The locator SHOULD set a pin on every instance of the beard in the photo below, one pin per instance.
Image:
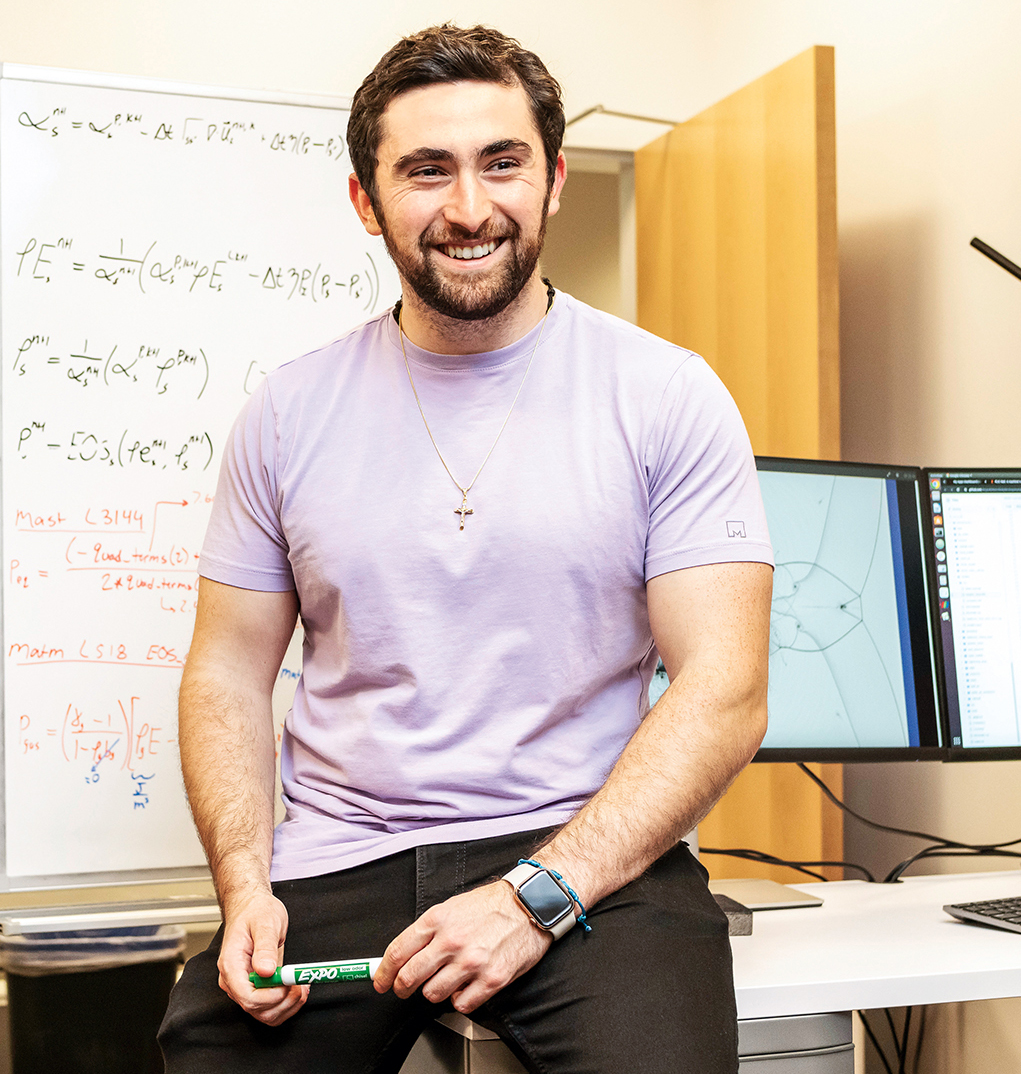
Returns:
(467, 299)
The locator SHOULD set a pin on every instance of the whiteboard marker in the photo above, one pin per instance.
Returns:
(356, 969)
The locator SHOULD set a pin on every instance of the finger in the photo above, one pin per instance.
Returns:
(266, 944)
(280, 1011)
(473, 995)
(269, 1005)
(444, 983)
(234, 964)
(400, 949)
(292, 1002)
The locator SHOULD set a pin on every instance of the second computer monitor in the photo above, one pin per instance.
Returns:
(975, 533)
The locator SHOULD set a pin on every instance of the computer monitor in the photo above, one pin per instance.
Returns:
(974, 538)
(852, 675)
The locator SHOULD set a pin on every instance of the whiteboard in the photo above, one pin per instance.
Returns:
(161, 248)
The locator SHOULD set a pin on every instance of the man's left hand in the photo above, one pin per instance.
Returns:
(465, 949)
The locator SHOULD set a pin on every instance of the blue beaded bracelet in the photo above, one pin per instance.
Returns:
(570, 891)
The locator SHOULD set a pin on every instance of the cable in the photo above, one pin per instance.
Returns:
(771, 859)
(949, 848)
(875, 1042)
(901, 831)
(918, 1040)
(762, 857)
(901, 1039)
(904, 1041)
(945, 852)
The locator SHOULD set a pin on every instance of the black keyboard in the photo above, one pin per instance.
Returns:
(999, 913)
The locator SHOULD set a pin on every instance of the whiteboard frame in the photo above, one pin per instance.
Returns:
(137, 84)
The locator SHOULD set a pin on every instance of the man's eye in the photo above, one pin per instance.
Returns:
(426, 173)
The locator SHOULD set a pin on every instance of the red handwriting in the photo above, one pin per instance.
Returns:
(152, 654)
(26, 651)
(24, 519)
(28, 745)
(100, 554)
(130, 582)
(104, 516)
(175, 606)
(103, 651)
(113, 518)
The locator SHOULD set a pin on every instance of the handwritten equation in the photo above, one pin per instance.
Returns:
(126, 449)
(222, 132)
(99, 743)
(41, 259)
(155, 368)
(120, 550)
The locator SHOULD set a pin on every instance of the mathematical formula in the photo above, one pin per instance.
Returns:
(124, 448)
(99, 742)
(186, 131)
(114, 551)
(156, 267)
(155, 369)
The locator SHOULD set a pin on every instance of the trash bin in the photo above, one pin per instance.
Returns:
(89, 1002)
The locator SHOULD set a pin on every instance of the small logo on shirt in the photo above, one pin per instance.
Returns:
(736, 529)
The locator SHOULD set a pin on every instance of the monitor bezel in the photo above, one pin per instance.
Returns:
(957, 754)
(869, 754)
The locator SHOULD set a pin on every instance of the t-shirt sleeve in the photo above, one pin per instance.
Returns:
(245, 545)
(704, 500)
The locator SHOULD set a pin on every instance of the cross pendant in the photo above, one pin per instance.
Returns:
(463, 510)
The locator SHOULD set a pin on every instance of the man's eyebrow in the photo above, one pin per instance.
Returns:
(423, 155)
(506, 145)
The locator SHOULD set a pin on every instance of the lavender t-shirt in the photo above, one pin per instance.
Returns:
(461, 684)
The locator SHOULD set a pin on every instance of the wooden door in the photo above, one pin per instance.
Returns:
(737, 259)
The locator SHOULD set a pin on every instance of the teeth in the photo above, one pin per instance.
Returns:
(468, 253)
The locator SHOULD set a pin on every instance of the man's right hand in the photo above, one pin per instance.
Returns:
(253, 939)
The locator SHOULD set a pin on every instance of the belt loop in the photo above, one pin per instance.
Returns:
(420, 893)
(462, 861)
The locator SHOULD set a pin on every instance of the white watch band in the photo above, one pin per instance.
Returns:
(517, 876)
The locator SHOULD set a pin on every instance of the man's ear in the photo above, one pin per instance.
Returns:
(363, 206)
(559, 178)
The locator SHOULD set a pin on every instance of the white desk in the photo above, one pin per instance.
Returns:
(877, 945)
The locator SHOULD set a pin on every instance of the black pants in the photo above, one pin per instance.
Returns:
(648, 991)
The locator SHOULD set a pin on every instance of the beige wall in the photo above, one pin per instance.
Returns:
(583, 240)
(928, 96)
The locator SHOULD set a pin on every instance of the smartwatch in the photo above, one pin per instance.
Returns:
(543, 897)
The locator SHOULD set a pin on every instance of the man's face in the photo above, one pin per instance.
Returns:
(462, 195)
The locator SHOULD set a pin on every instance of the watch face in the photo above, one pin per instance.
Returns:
(546, 899)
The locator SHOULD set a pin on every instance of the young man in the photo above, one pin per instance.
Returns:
(491, 507)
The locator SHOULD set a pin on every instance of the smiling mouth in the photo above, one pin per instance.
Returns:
(470, 253)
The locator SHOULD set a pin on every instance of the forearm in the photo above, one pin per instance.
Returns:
(677, 765)
(228, 762)
(226, 729)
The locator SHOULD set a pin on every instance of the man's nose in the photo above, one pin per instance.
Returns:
(469, 205)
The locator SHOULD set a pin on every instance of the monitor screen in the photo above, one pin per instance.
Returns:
(851, 668)
(974, 537)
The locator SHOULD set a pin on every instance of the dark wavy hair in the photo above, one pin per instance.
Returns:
(449, 54)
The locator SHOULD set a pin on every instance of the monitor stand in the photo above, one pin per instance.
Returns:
(763, 894)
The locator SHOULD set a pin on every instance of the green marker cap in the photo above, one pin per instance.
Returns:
(266, 982)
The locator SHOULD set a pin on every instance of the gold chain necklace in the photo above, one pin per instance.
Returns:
(464, 509)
